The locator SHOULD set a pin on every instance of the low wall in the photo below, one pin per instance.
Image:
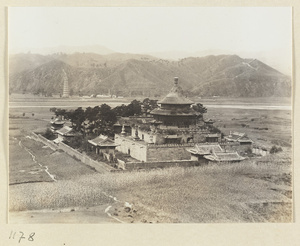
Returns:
(160, 164)
(151, 146)
(99, 166)
(235, 147)
(168, 153)
(45, 141)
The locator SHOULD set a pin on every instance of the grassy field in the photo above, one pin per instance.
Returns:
(255, 190)
(265, 127)
(244, 192)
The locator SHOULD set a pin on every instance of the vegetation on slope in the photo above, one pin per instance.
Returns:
(129, 74)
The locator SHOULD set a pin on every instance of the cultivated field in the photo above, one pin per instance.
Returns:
(256, 190)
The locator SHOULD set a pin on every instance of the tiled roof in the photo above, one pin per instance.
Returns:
(175, 96)
(209, 121)
(172, 136)
(238, 136)
(178, 112)
(57, 140)
(205, 149)
(102, 141)
(213, 135)
(224, 156)
(66, 130)
(57, 121)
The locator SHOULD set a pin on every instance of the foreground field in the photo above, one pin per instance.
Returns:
(256, 190)
(245, 192)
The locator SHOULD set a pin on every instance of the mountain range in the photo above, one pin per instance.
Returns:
(146, 75)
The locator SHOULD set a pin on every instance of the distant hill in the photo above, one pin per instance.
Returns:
(98, 49)
(22, 62)
(145, 75)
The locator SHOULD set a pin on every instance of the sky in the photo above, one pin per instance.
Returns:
(154, 29)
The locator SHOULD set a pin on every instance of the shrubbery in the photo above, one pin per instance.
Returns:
(49, 134)
(275, 149)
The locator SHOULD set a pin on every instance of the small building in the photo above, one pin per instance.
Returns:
(200, 150)
(209, 122)
(213, 138)
(57, 124)
(239, 137)
(224, 157)
(212, 152)
(102, 144)
(65, 133)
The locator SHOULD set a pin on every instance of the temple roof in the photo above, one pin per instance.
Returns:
(205, 149)
(174, 112)
(176, 96)
(102, 141)
(218, 156)
(66, 131)
(238, 137)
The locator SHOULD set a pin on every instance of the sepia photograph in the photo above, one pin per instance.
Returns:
(150, 115)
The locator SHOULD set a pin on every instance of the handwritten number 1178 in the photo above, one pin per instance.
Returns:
(21, 236)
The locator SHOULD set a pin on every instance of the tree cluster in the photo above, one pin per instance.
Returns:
(100, 119)
(275, 149)
(199, 108)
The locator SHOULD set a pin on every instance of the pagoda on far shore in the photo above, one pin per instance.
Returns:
(66, 85)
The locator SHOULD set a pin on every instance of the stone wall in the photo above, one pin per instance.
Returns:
(168, 153)
(235, 146)
(160, 164)
(99, 166)
(45, 141)
(136, 149)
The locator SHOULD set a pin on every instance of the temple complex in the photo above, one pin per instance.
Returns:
(165, 135)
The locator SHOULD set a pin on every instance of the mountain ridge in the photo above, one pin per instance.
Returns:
(137, 74)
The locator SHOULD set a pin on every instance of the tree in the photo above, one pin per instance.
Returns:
(76, 142)
(134, 108)
(59, 112)
(49, 134)
(120, 110)
(105, 119)
(77, 118)
(107, 114)
(275, 149)
(52, 109)
(149, 104)
(199, 108)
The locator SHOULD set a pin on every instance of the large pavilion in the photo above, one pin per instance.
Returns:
(175, 109)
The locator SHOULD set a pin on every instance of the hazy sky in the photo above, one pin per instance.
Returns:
(151, 29)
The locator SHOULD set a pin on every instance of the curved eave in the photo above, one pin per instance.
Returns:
(171, 113)
(176, 101)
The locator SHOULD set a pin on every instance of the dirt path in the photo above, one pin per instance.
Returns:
(80, 215)
(34, 160)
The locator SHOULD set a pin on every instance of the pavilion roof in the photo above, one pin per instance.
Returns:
(102, 140)
(205, 149)
(176, 112)
(176, 96)
(224, 156)
(238, 137)
(66, 131)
